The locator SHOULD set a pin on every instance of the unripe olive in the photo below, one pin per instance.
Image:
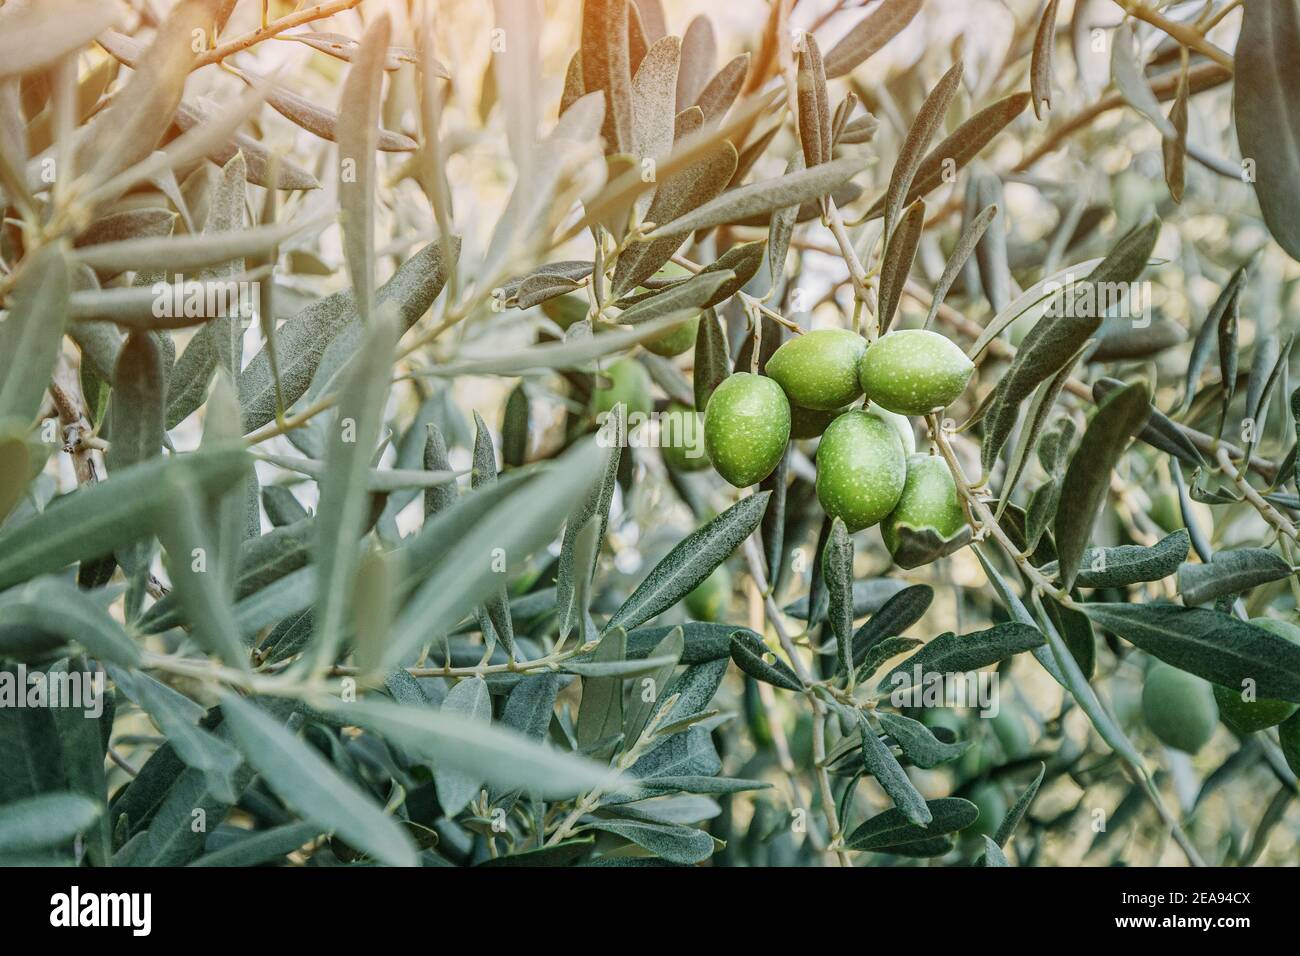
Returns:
(1179, 708)
(1010, 729)
(711, 597)
(676, 340)
(861, 469)
(627, 382)
(914, 371)
(746, 428)
(811, 422)
(902, 423)
(992, 805)
(929, 500)
(819, 370)
(681, 438)
(1248, 716)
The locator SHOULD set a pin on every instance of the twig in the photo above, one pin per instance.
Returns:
(318, 11)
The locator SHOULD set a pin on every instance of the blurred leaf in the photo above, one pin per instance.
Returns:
(311, 787)
(34, 35)
(1129, 79)
(49, 607)
(870, 34)
(467, 701)
(1018, 810)
(606, 66)
(47, 820)
(32, 334)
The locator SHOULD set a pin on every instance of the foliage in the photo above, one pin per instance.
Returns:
(253, 290)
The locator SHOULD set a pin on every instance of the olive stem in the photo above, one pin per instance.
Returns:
(755, 563)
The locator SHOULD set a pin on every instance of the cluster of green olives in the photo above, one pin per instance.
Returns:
(867, 469)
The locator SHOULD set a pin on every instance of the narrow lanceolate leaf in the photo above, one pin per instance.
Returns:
(1127, 564)
(1087, 480)
(358, 138)
(1267, 116)
(985, 189)
(837, 570)
(721, 91)
(140, 112)
(196, 574)
(1175, 150)
(139, 393)
(690, 562)
(1018, 811)
(951, 654)
(814, 105)
(1131, 82)
(916, 741)
(1230, 573)
(685, 190)
(911, 153)
(699, 56)
(1161, 432)
(751, 656)
(879, 761)
(33, 35)
(712, 363)
(870, 35)
(454, 560)
(344, 501)
(649, 690)
(654, 95)
(1221, 648)
(1206, 335)
(91, 521)
(673, 842)
(891, 831)
(903, 609)
(309, 786)
(31, 335)
(961, 146)
(47, 820)
(1040, 64)
(51, 606)
(688, 296)
(965, 245)
(568, 584)
(1057, 337)
(761, 198)
(485, 472)
(897, 264)
(600, 714)
(606, 66)
(468, 701)
(504, 758)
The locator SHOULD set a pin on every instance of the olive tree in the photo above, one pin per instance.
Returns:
(555, 433)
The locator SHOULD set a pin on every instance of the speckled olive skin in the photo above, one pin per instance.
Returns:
(902, 423)
(819, 370)
(1179, 708)
(811, 422)
(678, 438)
(1248, 716)
(861, 469)
(676, 340)
(746, 428)
(629, 384)
(929, 500)
(914, 371)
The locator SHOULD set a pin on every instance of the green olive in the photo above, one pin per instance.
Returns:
(861, 469)
(992, 805)
(627, 382)
(1179, 708)
(681, 438)
(1247, 716)
(819, 370)
(811, 422)
(929, 500)
(746, 428)
(711, 597)
(676, 340)
(902, 423)
(914, 371)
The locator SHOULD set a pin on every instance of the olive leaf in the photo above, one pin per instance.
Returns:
(1127, 564)
(916, 741)
(699, 54)
(1040, 68)
(1218, 647)
(814, 107)
(911, 153)
(837, 571)
(1019, 809)
(903, 609)
(1087, 479)
(869, 35)
(690, 562)
(1230, 572)
(30, 336)
(949, 653)
(879, 761)
(606, 66)
(899, 256)
(892, 832)
(751, 656)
